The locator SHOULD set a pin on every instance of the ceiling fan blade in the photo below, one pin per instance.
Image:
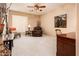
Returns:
(42, 6)
(30, 6)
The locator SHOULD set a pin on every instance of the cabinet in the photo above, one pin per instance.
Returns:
(66, 44)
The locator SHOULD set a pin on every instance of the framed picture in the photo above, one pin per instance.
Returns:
(60, 21)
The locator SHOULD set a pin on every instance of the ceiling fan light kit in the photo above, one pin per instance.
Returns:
(37, 7)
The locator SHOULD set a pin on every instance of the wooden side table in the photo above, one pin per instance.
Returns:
(28, 33)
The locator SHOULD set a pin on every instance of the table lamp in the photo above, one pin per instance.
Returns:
(29, 27)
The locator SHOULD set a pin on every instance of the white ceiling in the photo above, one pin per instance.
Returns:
(22, 7)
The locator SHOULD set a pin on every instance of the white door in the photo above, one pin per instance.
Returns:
(20, 23)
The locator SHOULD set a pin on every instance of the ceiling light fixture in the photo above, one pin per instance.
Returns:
(37, 7)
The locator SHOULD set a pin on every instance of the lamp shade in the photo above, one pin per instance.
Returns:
(29, 26)
(12, 29)
(1, 27)
(0, 18)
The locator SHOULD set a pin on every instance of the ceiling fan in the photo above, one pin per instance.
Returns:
(37, 7)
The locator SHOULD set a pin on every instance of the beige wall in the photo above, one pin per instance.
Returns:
(47, 20)
(32, 19)
(77, 41)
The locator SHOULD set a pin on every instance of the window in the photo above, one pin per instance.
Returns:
(20, 23)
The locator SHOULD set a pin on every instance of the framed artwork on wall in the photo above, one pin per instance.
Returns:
(60, 21)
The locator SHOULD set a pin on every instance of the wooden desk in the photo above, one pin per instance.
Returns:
(66, 44)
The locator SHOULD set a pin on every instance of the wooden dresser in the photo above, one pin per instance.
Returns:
(66, 44)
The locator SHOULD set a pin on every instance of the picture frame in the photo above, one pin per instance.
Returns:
(60, 21)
